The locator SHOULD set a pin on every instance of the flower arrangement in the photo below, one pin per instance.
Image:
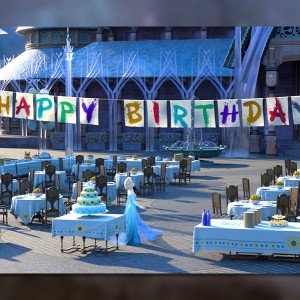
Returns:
(169, 138)
(27, 155)
(135, 156)
(297, 173)
(279, 183)
(7, 159)
(88, 161)
(96, 137)
(254, 197)
(93, 178)
(166, 162)
(133, 169)
(90, 155)
(133, 138)
(37, 191)
(58, 137)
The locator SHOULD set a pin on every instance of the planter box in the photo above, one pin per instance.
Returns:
(58, 145)
(96, 146)
(137, 147)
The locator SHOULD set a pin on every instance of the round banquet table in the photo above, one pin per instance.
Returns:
(270, 193)
(268, 209)
(171, 170)
(39, 177)
(136, 178)
(289, 181)
(82, 167)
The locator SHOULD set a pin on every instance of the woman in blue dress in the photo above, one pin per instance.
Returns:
(135, 226)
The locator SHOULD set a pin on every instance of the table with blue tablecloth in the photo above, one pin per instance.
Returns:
(195, 164)
(100, 226)
(231, 235)
(289, 181)
(39, 179)
(270, 193)
(130, 163)
(137, 178)
(171, 170)
(26, 206)
(82, 167)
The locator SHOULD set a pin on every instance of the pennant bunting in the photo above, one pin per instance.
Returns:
(157, 113)
(6, 104)
(66, 109)
(204, 115)
(277, 109)
(180, 113)
(24, 106)
(134, 113)
(296, 109)
(252, 112)
(228, 112)
(88, 109)
(45, 108)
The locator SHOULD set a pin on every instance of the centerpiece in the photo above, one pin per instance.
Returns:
(90, 156)
(279, 184)
(27, 155)
(133, 170)
(254, 199)
(93, 179)
(278, 220)
(296, 174)
(135, 156)
(37, 192)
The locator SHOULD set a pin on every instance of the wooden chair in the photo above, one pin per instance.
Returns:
(182, 175)
(277, 172)
(294, 204)
(50, 178)
(87, 175)
(293, 167)
(216, 205)
(44, 163)
(232, 193)
(148, 180)
(60, 164)
(51, 203)
(25, 186)
(271, 172)
(66, 193)
(265, 179)
(98, 163)
(246, 187)
(144, 163)
(287, 166)
(101, 187)
(79, 159)
(4, 213)
(188, 168)
(101, 170)
(122, 167)
(31, 177)
(111, 172)
(160, 180)
(151, 161)
(7, 186)
(283, 205)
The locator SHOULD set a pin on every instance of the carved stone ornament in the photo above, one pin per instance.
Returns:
(271, 78)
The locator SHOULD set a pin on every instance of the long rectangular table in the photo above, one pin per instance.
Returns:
(101, 226)
(231, 235)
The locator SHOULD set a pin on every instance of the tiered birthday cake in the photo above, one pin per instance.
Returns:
(89, 202)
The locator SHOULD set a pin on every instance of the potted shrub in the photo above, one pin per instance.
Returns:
(96, 140)
(133, 141)
(58, 140)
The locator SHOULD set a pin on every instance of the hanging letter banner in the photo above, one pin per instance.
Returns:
(24, 106)
(296, 109)
(66, 112)
(89, 108)
(204, 114)
(134, 113)
(277, 108)
(180, 113)
(157, 113)
(252, 112)
(228, 111)
(45, 108)
(6, 104)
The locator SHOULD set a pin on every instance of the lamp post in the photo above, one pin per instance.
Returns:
(68, 76)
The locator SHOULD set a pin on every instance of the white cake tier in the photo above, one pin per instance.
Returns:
(89, 210)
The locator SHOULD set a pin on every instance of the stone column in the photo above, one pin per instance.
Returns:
(270, 134)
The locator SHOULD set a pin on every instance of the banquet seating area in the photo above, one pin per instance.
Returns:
(26, 182)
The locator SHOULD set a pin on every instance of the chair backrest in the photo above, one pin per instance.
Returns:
(31, 177)
(293, 167)
(101, 184)
(163, 169)
(87, 175)
(271, 172)
(122, 167)
(148, 174)
(52, 196)
(283, 204)
(79, 188)
(60, 164)
(216, 203)
(79, 158)
(25, 186)
(115, 161)
(232, 193)
(6, 182)
(98, 163)
(294, 203)
(144, 163)
(188, 164)
(183, 165)
(277, 171)
(246, 187)
(102, 170)
(151, 160)
(50, 178)
(44, 164)
(265, 179)
(287, 166)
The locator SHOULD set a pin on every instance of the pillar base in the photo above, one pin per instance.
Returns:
(271, 145)
(254, 143)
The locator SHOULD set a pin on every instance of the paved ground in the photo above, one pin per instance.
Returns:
(24, 249)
